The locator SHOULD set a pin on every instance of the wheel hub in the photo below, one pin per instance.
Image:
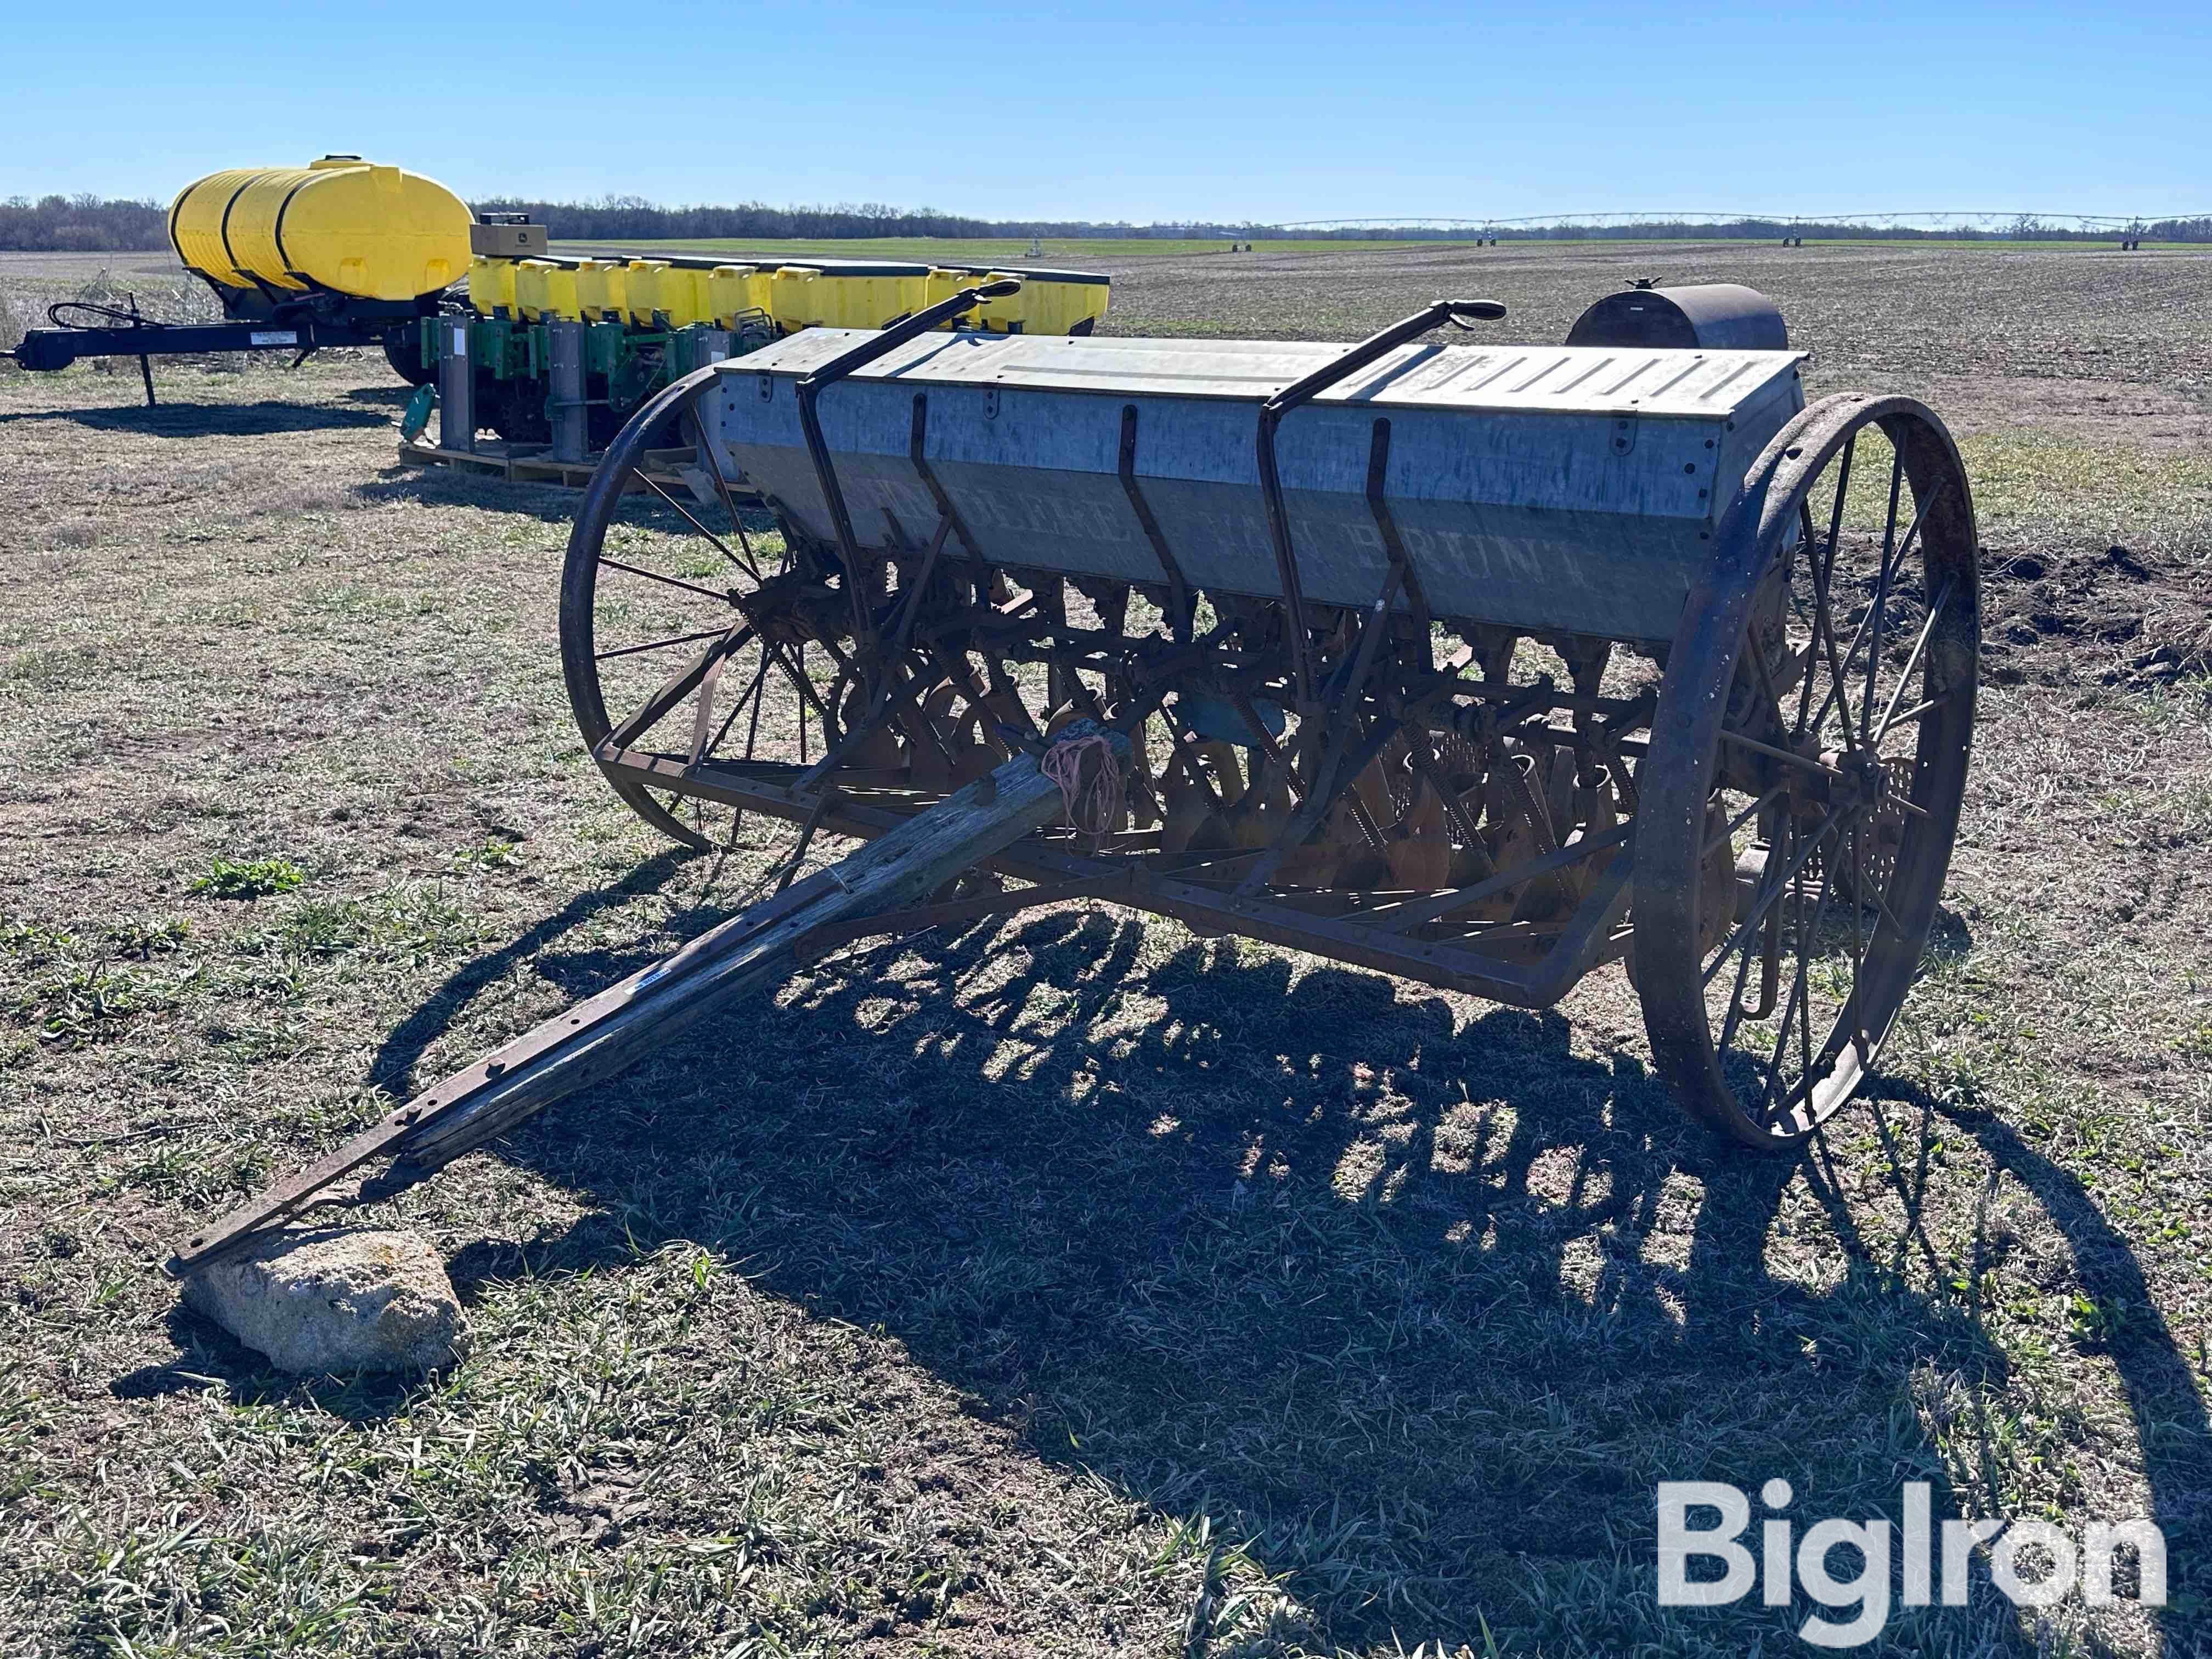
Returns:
(776, 609)
(1856, 779)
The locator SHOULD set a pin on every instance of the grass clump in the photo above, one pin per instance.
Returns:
(231, 878)
(146, 938)
(79, 1007)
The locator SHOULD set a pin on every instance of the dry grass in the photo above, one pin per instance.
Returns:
(1071, 1285)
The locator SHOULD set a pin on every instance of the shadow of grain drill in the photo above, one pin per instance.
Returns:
(552, 504)
(578, 974)
(1421, 1306)
(208, 420)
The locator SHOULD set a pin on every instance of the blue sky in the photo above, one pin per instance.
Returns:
(1284, 112)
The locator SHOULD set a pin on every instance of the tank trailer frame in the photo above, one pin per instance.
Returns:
(549, 350)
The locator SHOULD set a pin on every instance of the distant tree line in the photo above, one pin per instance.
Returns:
(80, 224)
(1626, 228)
(632, 218)
(91, 224)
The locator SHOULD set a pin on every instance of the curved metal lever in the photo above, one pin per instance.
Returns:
(1461, 312)
(1467, 312)
(811, 387)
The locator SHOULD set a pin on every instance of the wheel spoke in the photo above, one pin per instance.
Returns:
(1773, 753)
(688, 518)
(1888, 570)
(1798, 1006)
(713, 467)
(660, 644)
(719, 595)
(752, 726)
(1774, 889)
(1905, 677)
(1882, 588)
(1742, 818)
(1920, 711)
(1889, 566)
(738, 708)
(800, 683)
(1823, 573)
(678, 687)
(1735, 1002)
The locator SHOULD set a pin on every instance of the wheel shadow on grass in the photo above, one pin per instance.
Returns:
(1419, 1307)
(549, 503)
(2163, 1397)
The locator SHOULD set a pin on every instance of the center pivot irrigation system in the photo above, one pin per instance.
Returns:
(1484, 666)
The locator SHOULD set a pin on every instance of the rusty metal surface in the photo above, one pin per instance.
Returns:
(1374, 638)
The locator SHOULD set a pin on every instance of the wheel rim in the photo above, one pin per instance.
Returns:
(1785, 882)
(676, 606)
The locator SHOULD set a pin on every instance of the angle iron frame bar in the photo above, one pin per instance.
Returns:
(1179, 603)
(1592, 935)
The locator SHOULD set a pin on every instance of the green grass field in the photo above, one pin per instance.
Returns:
(1066, 1284)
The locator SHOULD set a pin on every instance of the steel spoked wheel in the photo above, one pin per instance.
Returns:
(681, 636)
(1807, 761)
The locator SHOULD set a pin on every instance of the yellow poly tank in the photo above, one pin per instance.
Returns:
(491, 285)
(680, 294)
(543, 290)
(873, 302)
(798, 298)
(196, 225)
(733, 290)
(1055, 307)
(1009, 315)
(374, 232)
(600, 286)
(641, 288)
(943, 284)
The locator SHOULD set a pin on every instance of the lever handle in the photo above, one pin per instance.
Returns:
(1004, 287)
(1464, 311)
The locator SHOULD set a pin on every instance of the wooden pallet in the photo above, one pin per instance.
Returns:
(532, 463)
